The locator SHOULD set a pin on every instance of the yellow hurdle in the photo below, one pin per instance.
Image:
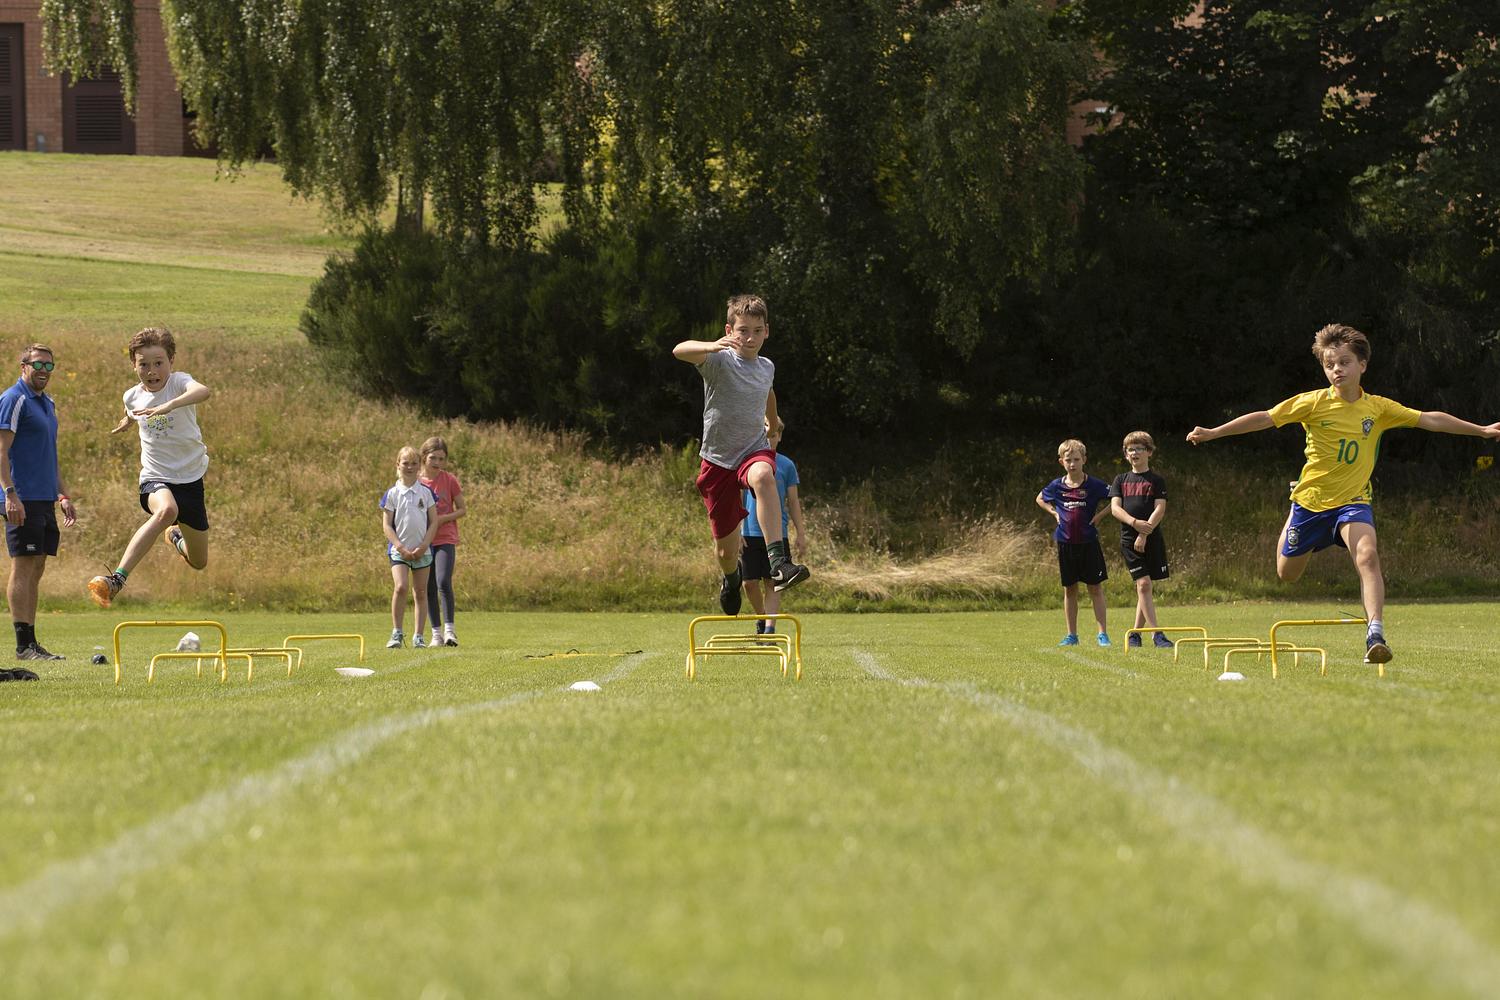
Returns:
(787, 648)
(1286, 647)
(210, 655)
(1194, 640)
(1308, 622)
(249, 653)
(1199, 629)
(287, 642)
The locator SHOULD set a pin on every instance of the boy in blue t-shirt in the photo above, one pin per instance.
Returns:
(1078, 502)
(755, 562)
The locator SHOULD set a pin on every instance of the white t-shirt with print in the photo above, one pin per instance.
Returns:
(172, 448)
(410, 508)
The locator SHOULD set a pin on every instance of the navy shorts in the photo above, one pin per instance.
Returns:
(755, 561)
(1316, 530)
(39, 535)
(1152, 562)
(191, 509)
(1081, 562)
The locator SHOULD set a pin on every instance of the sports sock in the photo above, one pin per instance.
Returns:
(121, 573)
(25, 634)
(777, 551)
(1376, 628)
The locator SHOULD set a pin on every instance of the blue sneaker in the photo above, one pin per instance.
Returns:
(1104, 639)
(1071, 639)
(1161, 641)
(1133, 640)
(1376, 650)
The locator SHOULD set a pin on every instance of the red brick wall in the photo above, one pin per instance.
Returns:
(158, 117)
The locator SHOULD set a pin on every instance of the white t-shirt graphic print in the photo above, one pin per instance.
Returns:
(172, 447)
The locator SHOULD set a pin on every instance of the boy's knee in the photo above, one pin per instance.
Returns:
(1143, 585)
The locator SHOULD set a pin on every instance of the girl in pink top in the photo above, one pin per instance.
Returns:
(450, 507)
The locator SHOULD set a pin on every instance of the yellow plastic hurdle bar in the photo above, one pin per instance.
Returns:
(1180, 644)
(287, 642)
(249, 653)
(1308, 622)
(1199, 629)
(210, 655)
(786, 648)
(1286, 647)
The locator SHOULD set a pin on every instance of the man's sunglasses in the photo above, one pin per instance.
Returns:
(45, 366)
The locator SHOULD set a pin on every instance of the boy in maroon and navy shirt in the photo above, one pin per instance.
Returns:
(1078, 502)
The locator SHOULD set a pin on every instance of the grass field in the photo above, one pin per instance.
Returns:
(946, 805)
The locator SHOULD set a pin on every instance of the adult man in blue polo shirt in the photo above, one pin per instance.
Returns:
(33, 483)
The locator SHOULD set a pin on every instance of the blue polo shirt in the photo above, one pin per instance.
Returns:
(33, 454)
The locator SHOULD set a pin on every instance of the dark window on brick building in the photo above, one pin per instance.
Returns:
(12, 89)
(94, 118)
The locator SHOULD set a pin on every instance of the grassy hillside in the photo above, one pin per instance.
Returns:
(93, 248)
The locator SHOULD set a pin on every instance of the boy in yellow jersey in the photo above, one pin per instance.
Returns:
(1331, 499)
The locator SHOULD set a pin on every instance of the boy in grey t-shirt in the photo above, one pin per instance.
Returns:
(738, 405)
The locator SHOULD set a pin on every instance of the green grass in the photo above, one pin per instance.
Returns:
(945, 805)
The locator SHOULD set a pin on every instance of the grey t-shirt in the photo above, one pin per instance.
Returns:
(734, 406)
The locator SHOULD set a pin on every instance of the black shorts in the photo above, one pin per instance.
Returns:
(39, 535)
(191, 509)
(755, 561)
(1081, 563)
(1152, 562)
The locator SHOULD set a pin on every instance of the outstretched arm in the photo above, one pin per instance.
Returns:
(196, 392)
(1260, 420)
(773, 422)
(1447, 423)
(694, 351)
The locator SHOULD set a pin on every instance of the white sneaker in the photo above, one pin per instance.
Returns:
(397, 638)
(417, 642)
(450, 638)
(437, 638)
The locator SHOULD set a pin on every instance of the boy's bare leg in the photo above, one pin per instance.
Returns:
(163, 512)
(1145, 603)
(400, 589)
(419, 591)
(758, 599)
(1070, 608)
(727, 551)
(196, 544)
(1096, 597)
(25, 579)
(1289, 568)
(1360, 538)
(762, 480)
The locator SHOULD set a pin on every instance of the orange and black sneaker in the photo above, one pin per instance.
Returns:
(104, 588)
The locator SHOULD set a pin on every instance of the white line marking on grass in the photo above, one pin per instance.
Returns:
(28, 905)
(1418, 933)
(1079, 658)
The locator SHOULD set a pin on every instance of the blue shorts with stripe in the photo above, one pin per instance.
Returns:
(1316, 530)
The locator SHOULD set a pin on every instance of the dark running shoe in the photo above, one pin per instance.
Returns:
(1376, 650)
(1161, 641)
(18, 674)
(788, 575)
(36, 652)
(1133, 640)
(731, 596)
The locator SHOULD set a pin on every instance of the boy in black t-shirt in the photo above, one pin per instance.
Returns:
(1138, 500)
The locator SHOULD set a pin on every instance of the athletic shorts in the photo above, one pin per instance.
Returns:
(755, 561)
(1081, 562)
(720, 489)
(1152, 562)
(39, 535)
(191, 509)
(421, 562)
(1316, 530)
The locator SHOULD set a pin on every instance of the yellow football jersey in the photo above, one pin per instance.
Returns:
(1343, 440)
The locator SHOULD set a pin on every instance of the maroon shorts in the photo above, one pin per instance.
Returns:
(720, 489)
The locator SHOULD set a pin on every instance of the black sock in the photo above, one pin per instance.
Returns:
(732, 580)
(25, 634)
(778, 553)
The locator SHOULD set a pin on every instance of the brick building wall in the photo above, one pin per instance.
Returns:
(158, 115)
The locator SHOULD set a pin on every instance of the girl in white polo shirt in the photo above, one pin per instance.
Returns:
(164, 407)
(407, 513)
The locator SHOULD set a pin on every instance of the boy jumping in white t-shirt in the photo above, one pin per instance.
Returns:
(173, 459)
